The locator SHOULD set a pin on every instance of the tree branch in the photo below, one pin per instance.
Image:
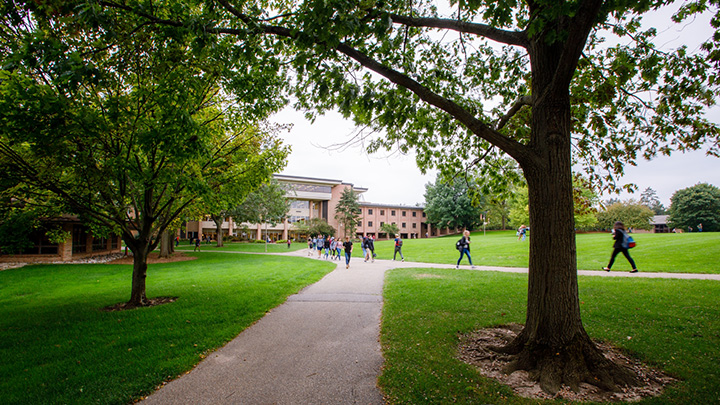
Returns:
(519, 103)
(517, 38)
(579, 28)
(513, 148)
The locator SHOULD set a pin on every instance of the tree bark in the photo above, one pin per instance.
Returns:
(554, 346)
(218, 228)
(137, 294)
(165, 244)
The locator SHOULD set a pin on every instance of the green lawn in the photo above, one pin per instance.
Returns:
(674, 253)
(58, 346)
(671, 324)
(243, 247)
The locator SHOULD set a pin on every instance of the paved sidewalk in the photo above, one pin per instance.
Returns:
(320, 347)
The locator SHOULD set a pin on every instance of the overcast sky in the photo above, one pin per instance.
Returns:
(395, 179)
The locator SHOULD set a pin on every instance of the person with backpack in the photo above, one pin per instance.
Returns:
(398, 247)
(370, 249)
(622, 244)
(463, 245)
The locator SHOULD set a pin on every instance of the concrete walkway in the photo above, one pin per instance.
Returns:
(320, 347)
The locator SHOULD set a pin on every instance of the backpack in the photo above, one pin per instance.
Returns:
(458, 244)
(399, 242)
(628, 242)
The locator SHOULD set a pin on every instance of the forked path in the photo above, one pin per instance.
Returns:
(320, 347)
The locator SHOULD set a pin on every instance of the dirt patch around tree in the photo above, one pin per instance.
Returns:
(151, 302)
(474, 350)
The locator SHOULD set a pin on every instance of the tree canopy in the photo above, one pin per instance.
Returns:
(347, 211)
(631, 213)
(126, 129)
(650, 199)
(449, 204)
(699, 204)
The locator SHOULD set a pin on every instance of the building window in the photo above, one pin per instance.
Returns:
(392, 213)
(414, 214)
(403, 213)
(41, 244)
(382, 223)
(369, 211)
(369, 224)
(414, 225)
(423, 215)
(79, 239)
(404, 225)
(382, 212)
(99, 244)
(300, 204)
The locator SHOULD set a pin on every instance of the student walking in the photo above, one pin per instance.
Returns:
(398, 247)
(338, 247)
(348, 251)
(197, 245)
(333, 245)
(311, 247)
(463, 245)
(326, 245)
(522, 232)
(370, 249)
(620, 245)
(320, 243)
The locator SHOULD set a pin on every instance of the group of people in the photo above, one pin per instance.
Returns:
(331, 248)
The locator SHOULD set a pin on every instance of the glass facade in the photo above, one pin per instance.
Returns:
(312, 188)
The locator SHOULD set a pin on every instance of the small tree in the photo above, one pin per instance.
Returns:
(319, 226)
(389, 229)
(631, 213)
(347, 211)
(449, 204)
(699, 204)
(650, 199)
(266, 205)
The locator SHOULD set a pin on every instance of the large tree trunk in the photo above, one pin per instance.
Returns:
(554, 346)
(137, 295)
(166, 244)
(218, 228)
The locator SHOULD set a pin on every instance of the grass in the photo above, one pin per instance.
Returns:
(671, 324)
(672, 253)
(243, 247)
(58, 346)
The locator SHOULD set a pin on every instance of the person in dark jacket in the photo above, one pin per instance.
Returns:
(369, 249)
(620, 234)
(463, 246)
(348, 251)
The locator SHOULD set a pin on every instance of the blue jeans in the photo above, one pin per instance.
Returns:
(464, 251)
(347, 258)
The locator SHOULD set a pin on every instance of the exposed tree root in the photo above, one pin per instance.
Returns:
(146, 303)
(579, 371)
